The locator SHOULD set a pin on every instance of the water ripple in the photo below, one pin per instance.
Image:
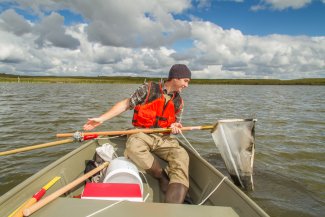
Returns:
(289, 165)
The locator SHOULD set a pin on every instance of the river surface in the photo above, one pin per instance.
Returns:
(289, 167)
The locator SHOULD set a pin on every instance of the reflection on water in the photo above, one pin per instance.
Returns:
(289, 166)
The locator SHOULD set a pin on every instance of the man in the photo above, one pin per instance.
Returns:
(157, 105)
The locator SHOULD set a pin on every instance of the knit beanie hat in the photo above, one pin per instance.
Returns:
(179, 71)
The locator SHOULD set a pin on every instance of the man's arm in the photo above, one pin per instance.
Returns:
(116, 110)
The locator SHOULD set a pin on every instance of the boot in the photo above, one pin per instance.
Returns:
(176, 193)
(157, 172)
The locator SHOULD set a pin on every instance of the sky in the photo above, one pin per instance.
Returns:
(218, 39)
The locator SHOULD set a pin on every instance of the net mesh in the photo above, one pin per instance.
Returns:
(235, 140)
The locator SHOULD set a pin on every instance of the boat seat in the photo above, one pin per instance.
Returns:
(76, 207)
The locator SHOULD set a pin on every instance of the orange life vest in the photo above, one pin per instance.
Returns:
(155, 112)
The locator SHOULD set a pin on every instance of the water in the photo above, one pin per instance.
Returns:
(289, 168)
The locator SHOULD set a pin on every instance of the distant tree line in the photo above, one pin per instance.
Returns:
(139, 80)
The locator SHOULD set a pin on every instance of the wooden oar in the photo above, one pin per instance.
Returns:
(36, 197)
(33, 147)
(58, 193)
(141, 130)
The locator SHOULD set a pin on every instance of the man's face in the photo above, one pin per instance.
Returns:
(180, 83)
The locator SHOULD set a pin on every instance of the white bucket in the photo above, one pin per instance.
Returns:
(122, 170)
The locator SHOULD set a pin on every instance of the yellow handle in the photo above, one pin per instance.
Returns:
(52, 182)
(19, 208)
(58, 193)
(19, 211)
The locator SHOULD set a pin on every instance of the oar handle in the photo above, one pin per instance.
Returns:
(44, 145)
(141, 130)
(35, 198)
(28, 203)
(58, 193)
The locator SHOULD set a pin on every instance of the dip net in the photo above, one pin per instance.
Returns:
(235, 139)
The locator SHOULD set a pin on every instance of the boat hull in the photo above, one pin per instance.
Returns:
(218, 195)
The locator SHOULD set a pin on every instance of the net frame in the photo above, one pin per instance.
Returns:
(238, 156)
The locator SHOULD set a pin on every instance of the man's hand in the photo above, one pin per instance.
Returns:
(92, 123)
(176, 128)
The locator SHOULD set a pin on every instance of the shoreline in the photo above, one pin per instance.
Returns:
(138, 80)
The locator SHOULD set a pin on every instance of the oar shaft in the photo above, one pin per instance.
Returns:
(58, 193)
(44, 145)
(141, 130)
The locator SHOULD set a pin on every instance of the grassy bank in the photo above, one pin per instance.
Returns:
(139, 80)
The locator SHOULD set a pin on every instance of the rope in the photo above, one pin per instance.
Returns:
(147, 186)
(204, 200)
(190, 144)
(145, 199)
(101, 210)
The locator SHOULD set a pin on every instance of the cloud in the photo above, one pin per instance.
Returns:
(280, 4)
(136, 38)
(142, 24)
(15, 23)
(11, 48)
(51, 30)
(37, 7)
(203, 3)
(252, 56)
(124, 23)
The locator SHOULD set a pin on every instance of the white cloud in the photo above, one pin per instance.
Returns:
(38, 7)
(135, 38)
(203, 3)
(277, 56)
(280, 4)
(12, 48)
(139, 24)
(10, 53)
(124, 23)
